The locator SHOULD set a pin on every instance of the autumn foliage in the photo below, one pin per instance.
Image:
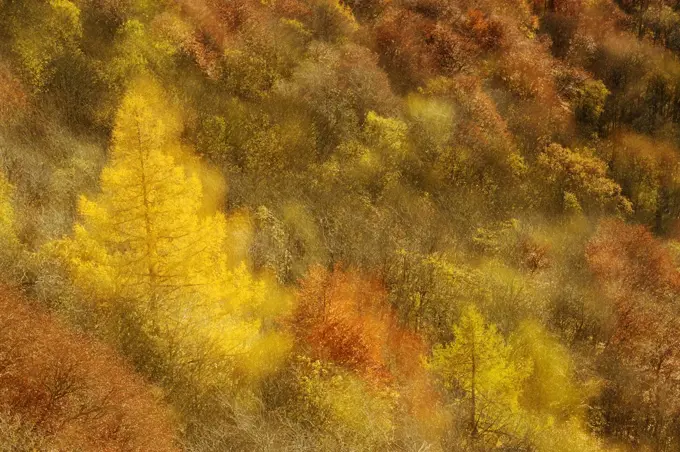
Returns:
(640, 277)
(326, 225)
(642, 281)
(345, 318)
(72, 391)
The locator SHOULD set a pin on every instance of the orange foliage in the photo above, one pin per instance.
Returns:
(346, 319)
(633, 258)
(639, 276)
(488, 32)
(339, 316)
(72, 390)
(12, 95)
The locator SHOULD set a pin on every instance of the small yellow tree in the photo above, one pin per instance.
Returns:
(10, 247)
(478, 368)
(7, 233)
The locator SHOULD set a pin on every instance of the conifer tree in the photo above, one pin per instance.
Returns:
(478, 366)
(7, 233)
(144, 239)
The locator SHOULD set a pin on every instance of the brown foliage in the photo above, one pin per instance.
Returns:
(401, 37)
(451, 52)
(638, 274)
(563, 7)
(534, 256)
(72, 390)
(488, 32)
(366, 8)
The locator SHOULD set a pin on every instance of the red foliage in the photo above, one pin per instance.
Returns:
(72, 390)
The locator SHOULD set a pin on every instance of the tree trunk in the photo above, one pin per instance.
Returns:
(473, 389)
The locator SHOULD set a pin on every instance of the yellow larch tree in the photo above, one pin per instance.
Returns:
(144, 238)
(478, 368)
(7, 233)
(10, 247)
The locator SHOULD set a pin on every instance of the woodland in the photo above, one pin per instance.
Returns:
(340, 225)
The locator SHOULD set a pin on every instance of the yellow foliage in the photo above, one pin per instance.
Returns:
(144, 238)
(479, 365)
(434, 116)
(581, 179)
(7, 232)
(388, 135)
(140, 46)
(347, 406)
(567, 437)
(56, 30)
(552, 388)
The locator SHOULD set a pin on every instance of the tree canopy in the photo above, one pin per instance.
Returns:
(335, 225)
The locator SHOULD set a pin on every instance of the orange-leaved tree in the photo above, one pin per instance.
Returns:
(60, 390)
(641, 282)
